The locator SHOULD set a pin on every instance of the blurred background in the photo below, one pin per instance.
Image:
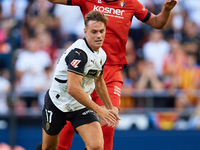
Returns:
(160, 102)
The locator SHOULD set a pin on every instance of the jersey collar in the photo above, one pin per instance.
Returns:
(87, 44)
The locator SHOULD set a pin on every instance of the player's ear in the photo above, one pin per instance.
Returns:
(85, 30)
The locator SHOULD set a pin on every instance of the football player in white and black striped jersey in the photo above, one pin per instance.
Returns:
(78, 72)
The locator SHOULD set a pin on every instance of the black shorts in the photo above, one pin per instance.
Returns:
(53, 119)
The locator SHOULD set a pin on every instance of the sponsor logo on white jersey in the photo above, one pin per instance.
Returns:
(75, 63)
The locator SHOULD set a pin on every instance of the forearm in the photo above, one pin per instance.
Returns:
(142, 82)
(81, 96)
(162, 18)
(156, 83)
(159, 21)
(101, 90)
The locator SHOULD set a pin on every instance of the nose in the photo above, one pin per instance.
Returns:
(99, 34)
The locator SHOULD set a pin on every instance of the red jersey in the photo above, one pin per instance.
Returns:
(119, 13)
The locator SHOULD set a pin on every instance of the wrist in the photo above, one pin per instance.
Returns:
(166, 9)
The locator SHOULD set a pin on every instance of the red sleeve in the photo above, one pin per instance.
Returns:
(75, 2)
(141, 13)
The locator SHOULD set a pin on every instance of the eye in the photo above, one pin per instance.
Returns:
(94, 31)
(102, 31)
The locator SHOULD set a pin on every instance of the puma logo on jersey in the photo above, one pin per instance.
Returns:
(79, 53)
(75, 63)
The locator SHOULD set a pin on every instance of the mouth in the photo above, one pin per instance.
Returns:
(98, 41)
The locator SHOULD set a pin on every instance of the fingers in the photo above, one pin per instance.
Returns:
(109, 117)
(113, 119)
(172, 1)
(114, 125)
(116, 114)
(170, 4)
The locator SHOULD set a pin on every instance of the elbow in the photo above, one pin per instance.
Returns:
(70, 90)
(159, 27)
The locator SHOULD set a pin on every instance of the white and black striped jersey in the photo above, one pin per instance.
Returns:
(80, 59)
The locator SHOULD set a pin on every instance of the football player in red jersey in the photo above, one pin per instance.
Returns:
(119, 13)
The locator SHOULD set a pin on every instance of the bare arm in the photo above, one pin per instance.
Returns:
(155, 82)
(149, 74)
(159, 21)
(142, 82)
(75, 90)
(59, 1)
(100, 88)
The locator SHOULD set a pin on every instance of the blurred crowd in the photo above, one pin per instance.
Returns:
(34, 33)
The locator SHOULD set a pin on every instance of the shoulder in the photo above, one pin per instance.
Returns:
(135, 3)
(80, 43)
(76, 54)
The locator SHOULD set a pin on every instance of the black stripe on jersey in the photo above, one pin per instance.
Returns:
(69, 2)
(60, 81)
(88, 44)
(75, 72)
(76, 60)
(147, 17)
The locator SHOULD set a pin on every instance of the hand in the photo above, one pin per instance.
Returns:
(170, 4)
(117, 118)
(109, 117)
(149, 70)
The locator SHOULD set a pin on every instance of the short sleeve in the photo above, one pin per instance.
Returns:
(76, 60)
(75, 2)
(141, 13)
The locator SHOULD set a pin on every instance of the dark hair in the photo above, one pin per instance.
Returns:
(96, 16)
